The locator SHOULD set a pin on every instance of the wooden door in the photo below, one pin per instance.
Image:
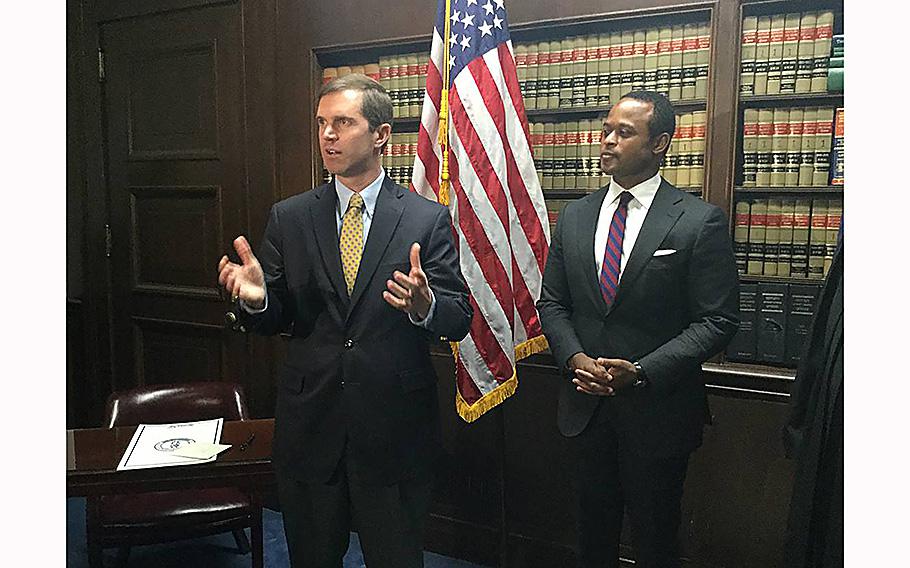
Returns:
(173, 108)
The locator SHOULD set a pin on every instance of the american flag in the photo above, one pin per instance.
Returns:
(498, 210)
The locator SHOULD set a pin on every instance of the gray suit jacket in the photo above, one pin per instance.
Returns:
(672, 312)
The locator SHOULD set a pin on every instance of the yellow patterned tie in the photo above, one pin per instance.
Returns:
(351, 242)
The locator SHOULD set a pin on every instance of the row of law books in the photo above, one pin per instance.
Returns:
(786, 53)
(774, 322)
(399, 157)
(790, 237)
(567, 154)
(403, 76)
(596, 70)
(789, 147)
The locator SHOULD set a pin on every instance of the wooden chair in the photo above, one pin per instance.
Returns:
(123, 521)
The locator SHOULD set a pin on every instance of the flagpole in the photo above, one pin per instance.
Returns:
(443, 196)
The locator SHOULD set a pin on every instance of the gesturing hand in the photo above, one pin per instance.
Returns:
(243, 281)
(410, 292)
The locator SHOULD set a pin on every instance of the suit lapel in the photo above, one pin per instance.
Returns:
(326, 228)
(586, 227)
(662, 215)
(385, 220)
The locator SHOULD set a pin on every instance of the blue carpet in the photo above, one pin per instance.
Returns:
(213, 551)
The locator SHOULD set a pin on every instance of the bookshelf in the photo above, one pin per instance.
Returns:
(787, 199)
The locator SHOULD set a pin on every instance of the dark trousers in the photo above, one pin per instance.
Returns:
(612, 477)
(318, 519)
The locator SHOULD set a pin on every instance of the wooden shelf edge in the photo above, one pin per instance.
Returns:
(781, 279)
(817, 190)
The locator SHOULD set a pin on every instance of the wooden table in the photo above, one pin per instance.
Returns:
(92, 456)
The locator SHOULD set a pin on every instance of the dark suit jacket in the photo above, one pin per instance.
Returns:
(358, 372)
(671, 313)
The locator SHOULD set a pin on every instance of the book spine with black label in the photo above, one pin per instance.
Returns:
(772, 238)
(603, 70)
(805, 52)
(837, 155)
(548, 147)
(579, 69)
(771, 325)
(741, 235)
(776, 53)
(559, 156)
(551, 57)
(627, 61)
(639, 48)
(818, 238)
(794, 147)
(750, 147)
(521, 69)
(699, 133)
(413, 85)
(799, 264)
(779, 142)
(677, 42)
(762, 50)
(789, 57)
(757, 226)
(747, 62)
(664, 47)
(785, 248)
(702, 58)
(592, 69)
(743, 346)
(543, 74)
(571, 163)
(832, 227)
(396, 70)
(821, 171)
(652, 56)
(531, 72)
(807, 147)
(594, 173)
(824, 29)
(536, 131)
(616, 58)
(800, 311)
(765, 147)
(565, 72)
(671, 160)
(690, 61)
(684, 167)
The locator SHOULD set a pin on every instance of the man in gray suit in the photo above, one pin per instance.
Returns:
(639, 289)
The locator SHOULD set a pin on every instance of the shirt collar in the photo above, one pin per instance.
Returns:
(369, 194)
(643, 193)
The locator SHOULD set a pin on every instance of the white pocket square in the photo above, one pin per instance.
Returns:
(664, 252)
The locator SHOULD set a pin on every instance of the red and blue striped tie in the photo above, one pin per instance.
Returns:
(609, 273)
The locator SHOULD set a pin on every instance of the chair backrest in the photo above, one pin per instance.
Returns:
(185, 402)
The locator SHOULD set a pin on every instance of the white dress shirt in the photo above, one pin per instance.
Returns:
(642, 197)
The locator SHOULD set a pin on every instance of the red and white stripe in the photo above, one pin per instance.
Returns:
(498, 212)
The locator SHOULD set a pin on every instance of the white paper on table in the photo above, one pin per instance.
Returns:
(153, 445)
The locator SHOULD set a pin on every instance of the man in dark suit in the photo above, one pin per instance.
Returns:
(639, 289)
(364, 273)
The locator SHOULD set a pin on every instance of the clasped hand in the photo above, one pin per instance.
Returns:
(601, 376)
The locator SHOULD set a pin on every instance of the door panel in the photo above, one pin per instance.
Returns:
(174, 111)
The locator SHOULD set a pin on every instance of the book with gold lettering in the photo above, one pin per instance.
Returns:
(603, 69)
(794, 147)
(800, 250)
(531, 68)
(548, 146)
(781, 121)
(639, 48)
(832, 227)
(790, 54)
(750, 147)
(824, 29)
(702, 57)
(757, 227)
(616, 48)
(818, 238)
(785, 248)
(652, 54)
(592, 69)
(765, 141)
(741, 235)
(677, 42)
(776, 53)
(579, 70)
(565, 72)
(747, 58)
(772, 237)
(699, 132)
(837, 155)
(762, 51)
(805, 52)
(684, 151)
(626, 62)
(559, 156)
(570, 168)
(690, 61)
(664, 46)
(823, 137)
(807, 147)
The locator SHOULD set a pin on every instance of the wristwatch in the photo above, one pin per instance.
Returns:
(641, 380)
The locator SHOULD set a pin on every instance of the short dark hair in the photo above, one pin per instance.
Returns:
(376, 104)
(663, 117)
